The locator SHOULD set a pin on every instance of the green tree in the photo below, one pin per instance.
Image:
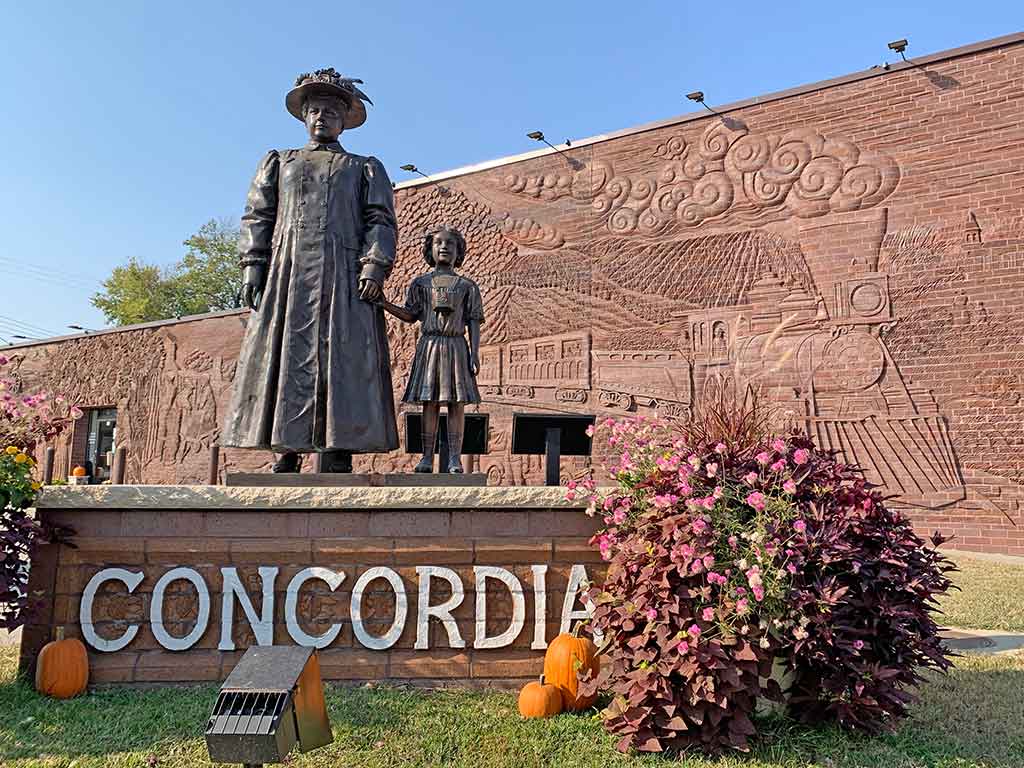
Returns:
(207, 279)
(135, 293)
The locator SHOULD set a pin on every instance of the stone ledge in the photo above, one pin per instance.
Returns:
(204, 497)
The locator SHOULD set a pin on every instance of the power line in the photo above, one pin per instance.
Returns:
(31, 327)
(54, 280)
(9, 262)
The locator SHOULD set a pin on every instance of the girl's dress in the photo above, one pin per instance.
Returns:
(440, 370)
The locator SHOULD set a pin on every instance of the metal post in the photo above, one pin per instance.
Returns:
(117, 472)
(553, 455)
(214, 464)
(48, 465)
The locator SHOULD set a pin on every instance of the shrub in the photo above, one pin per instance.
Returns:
(730, 549)
(25, 422)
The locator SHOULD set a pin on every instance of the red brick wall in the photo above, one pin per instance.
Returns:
(154, 541)
(855, 252)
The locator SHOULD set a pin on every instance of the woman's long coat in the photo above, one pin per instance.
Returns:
(314, 368)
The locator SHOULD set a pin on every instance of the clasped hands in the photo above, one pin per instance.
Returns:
(254, 278)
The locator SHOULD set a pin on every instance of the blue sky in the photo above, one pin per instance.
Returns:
(127, 125)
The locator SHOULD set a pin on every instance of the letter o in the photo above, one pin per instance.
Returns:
(390, 637)
(156, 610)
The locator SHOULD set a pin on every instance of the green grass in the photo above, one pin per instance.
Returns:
(991, 595)
(973, 718)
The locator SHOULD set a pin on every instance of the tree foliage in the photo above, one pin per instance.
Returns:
(207, 279)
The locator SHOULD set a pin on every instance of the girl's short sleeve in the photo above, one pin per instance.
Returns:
(414, 299)
(476, 303)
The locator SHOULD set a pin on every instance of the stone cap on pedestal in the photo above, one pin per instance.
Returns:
(248, 497)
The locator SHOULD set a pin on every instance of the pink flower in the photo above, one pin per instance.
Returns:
(686, 551)
(708, 614)
(789, 486)
(750, 478)
(4, 360)
(718, 492)
(763, 457)
(711, 468)
(694, 461)
(570, 496)
(716, 578)
(590, 431)
(708, 502)
(742, 605)
(694, 630)
(799, 526)
(866, 503)
(652, 614)
(76, 412)
(571, 485)
(708, 560)
(754, 577)
(696, 566)
(619, 516)
(720, 448)
(791, 567)
(683, 647)
(698, 526)
(778, 444)
(801, 455)
(663, 501)
(740, 591)
(756, 500)
(778, 466)
(758, 593)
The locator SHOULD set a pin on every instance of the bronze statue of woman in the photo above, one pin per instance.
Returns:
(317, 243)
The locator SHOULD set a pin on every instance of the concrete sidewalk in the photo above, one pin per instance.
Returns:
(982, 640)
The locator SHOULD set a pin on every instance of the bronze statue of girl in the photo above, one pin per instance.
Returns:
(444, 368)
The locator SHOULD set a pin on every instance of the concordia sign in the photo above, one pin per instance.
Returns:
(262, 620)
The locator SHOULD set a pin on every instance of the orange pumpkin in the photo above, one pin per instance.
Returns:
(62, 669)
(567, 657)
(78, 471)
(538, 699)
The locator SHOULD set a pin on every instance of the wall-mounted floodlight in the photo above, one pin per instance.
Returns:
(899, 46)
(413, 169)
(698, 96)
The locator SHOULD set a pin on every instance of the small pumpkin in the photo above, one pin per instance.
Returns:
(62, 669)
(538, 699)
(567, 657)
(78, 471)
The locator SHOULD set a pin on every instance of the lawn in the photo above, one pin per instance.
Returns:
(990, 595)
(972, 718)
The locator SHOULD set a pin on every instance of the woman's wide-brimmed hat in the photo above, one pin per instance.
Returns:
(327, 81)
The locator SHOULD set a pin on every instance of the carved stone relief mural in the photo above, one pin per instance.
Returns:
(755, 177)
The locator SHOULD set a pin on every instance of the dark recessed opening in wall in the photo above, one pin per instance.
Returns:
(99, 448)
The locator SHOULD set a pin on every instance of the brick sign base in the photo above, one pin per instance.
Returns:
(438, 586)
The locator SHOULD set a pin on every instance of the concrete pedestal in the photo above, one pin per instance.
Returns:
(438, 586)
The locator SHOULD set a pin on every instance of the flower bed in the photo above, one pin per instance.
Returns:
(26, 420)
(730, 549)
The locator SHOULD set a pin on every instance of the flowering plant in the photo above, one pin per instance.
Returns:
(730, 550)
(24, 423)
